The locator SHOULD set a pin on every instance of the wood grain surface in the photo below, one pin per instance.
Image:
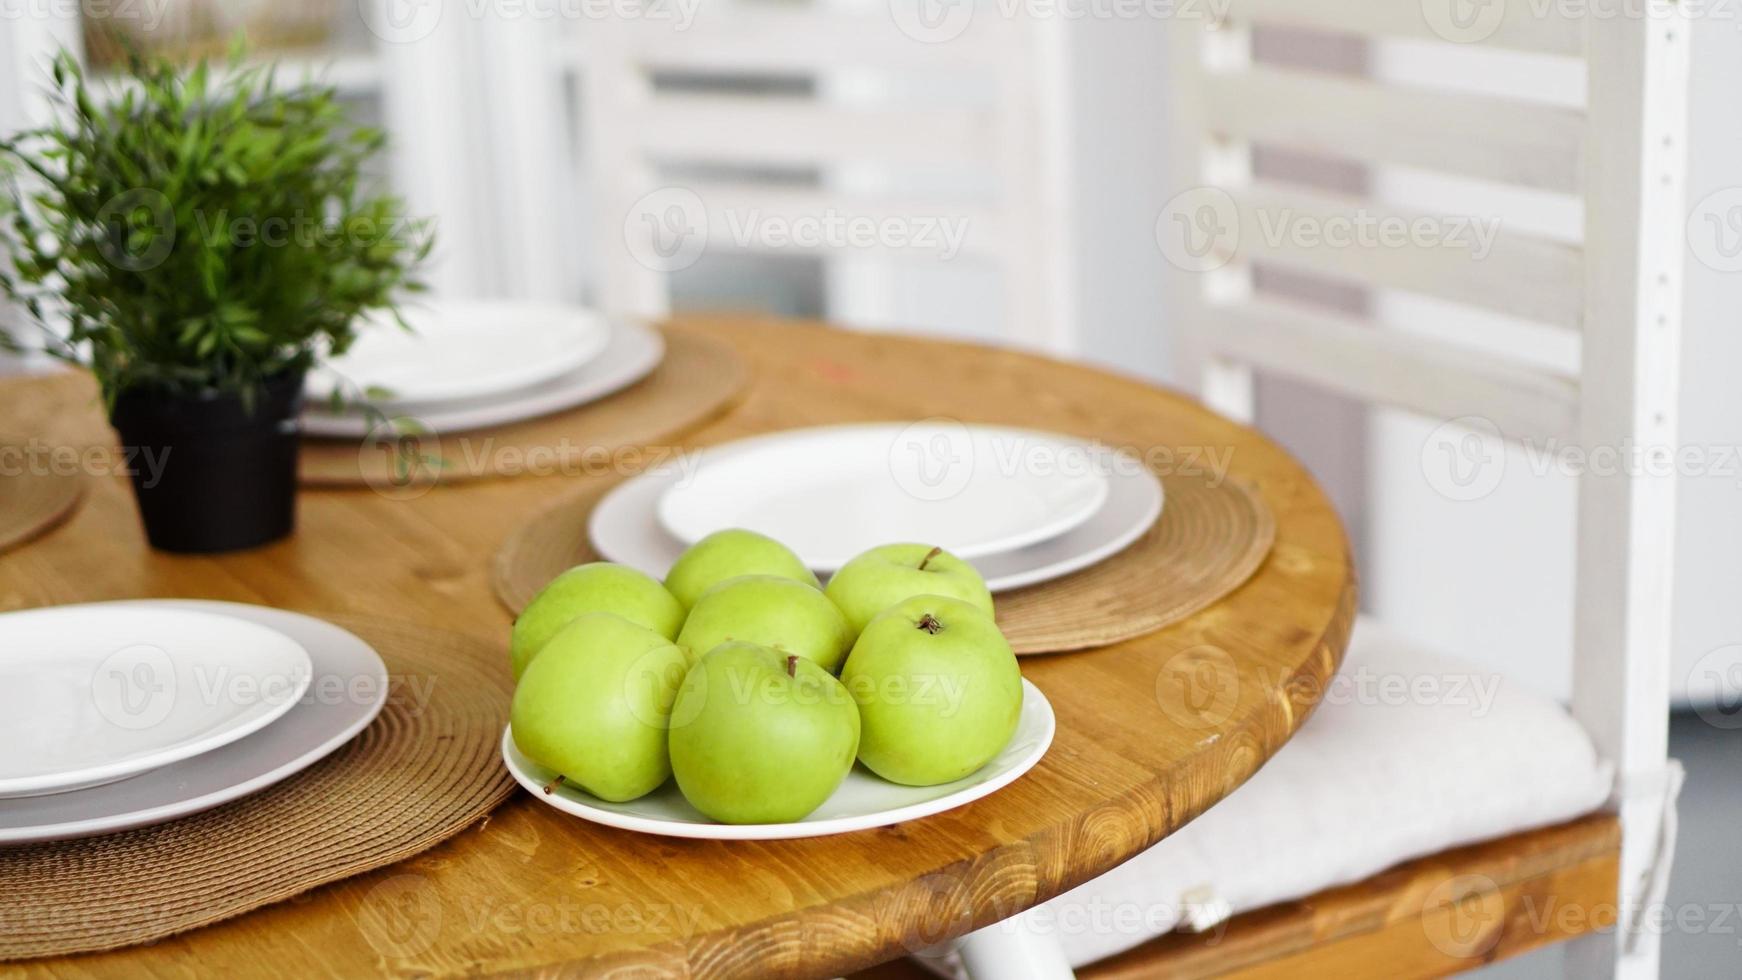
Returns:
(1431, 917)
(1438, 915)
(1151, 732)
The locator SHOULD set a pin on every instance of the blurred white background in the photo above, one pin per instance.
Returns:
(530, 127)
(995, 170)
(548, 135)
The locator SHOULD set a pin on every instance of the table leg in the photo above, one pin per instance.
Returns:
(1013, 950)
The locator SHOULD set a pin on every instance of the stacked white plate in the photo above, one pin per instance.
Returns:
(471, 365)
(123, 714)
(1023, 506)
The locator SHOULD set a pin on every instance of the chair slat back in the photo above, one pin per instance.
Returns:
(844, 135)
(1621, 157)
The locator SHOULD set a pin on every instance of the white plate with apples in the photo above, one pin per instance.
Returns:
(740, 700)
(833, 491)
(862, 802)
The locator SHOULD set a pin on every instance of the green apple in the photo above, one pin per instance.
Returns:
(595, 704)
(786, 616)
(938, 689)
(597, 587)
(887, 574)
(729, 554)
(759, 736)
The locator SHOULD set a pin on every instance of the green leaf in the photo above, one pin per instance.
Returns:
(188, 233)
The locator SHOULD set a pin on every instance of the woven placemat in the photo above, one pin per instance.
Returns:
(36, 493)
(1211, 536)
(698, 379)
(424, 770)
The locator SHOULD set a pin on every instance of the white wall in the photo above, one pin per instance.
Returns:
(1709, 569)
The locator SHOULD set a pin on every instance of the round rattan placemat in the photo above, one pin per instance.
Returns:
(698, 379)
(35, 493)
(1211, 536)
(424, 770)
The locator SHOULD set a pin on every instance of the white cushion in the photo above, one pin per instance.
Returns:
(1377, 776)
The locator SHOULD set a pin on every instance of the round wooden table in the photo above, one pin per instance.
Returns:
(1150, 732)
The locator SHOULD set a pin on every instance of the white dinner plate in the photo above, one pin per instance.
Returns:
(631, 353)
(463, 350)
(829, 493)
(348, 689)
(623, 529)
(94, 693)
(863, 800)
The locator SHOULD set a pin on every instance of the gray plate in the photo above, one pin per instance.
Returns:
(625, 528)
(347, 692)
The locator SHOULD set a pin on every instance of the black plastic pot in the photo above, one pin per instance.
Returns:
(210, 475)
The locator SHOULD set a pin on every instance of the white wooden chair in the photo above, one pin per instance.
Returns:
(875, 124)
(1622, 158)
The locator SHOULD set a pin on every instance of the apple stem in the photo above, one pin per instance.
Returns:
(791, 666)
(553, 784)
(928, 557)
(930, 624)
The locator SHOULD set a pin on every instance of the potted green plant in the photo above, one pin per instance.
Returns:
(198, 239)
